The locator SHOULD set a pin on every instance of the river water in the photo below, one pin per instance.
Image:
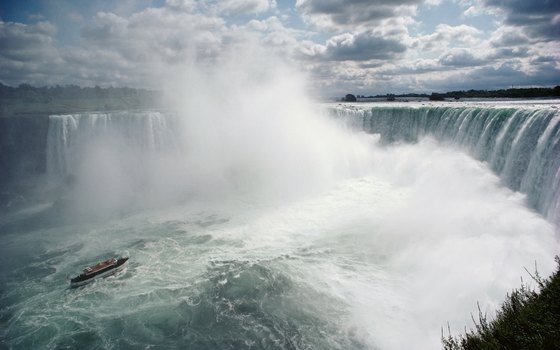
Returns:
(326, 237)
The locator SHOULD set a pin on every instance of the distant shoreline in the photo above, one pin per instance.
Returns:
(467, 99)
(520, 93)
(27, 100)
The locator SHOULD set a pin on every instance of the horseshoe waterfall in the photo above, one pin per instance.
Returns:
(273, 225)
(520, 144)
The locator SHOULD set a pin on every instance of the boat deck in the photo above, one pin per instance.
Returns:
(100, 266)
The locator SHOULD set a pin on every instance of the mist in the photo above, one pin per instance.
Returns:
(408, 248)
(460, 238)
(235, 128)
(253, 216)
(405, 238)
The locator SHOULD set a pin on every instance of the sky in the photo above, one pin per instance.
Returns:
(342, 46)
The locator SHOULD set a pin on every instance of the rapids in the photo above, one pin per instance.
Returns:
(367, 227)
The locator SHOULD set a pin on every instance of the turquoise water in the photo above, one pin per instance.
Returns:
(196, 279)
(520, 141)
(381, 257)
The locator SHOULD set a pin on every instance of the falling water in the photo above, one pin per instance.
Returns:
(521, 143)
(266, 225)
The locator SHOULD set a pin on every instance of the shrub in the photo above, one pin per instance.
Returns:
(528, 319)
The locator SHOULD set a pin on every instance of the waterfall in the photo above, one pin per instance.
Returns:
(62, 129)
(70, 135)
(521, 143)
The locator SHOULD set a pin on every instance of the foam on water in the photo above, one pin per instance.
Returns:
(252, 221)
(403, 249)
(519, 140)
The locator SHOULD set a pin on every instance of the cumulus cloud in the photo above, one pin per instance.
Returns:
(158, 35)
(114, 50)
(335, 14)
(508, 52)
(446, 35)
(413, 67)
(133, 49)
(26, 42)
(182, 5)
(538, 18)
(475, 8)
(29, 52)
(362, 46)
(360, 43)
(275, 34)
(460, 58)
(237, 7)
(508, 37)
(507, 74)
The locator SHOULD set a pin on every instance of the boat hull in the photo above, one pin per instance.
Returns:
(83, 280)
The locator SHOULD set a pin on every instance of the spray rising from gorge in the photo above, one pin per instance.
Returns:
(245, 140)
(255, 218)
(186, 138)
(520, 143)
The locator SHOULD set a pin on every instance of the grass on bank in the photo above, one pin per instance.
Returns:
(528, 319)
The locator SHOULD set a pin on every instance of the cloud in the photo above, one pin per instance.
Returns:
(133, 49)
(446, 35)
(335, 14)
(36, 17)
(372, 44)
(475, 8)
(460, 58)
(114, 49)
(29, 52)
(535, 7)
(405, 68)
(181, 5)
(239, 7)
(537, 18)
(508, 37)
(538, 60)
(274, 34)
(493, 77)
(158, 35)
(508, 52)
(363, 46)
(75, 17)
(509, 42)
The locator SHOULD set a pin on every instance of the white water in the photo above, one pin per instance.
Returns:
(382, 256)
(520, 141)
(254, 222)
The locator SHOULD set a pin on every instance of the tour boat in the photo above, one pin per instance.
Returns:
(99, 270)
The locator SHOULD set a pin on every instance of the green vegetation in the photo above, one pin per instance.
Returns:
(436, 97)
(26, 99)
(508, 93)
(349, 98)
(527, 320)
(504, 93)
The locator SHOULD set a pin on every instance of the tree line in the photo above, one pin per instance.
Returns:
(502, 93)
(28, 99)
(46, 93)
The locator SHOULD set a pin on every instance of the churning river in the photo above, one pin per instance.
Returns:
(365, 226)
